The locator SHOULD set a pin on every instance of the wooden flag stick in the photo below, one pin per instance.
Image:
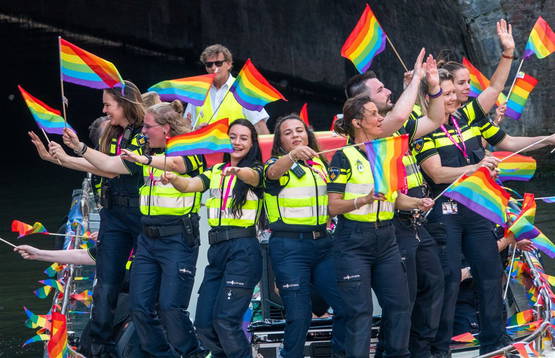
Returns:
(48, 140)
(514, 80)
(528, 146)
(62, 81)
(7, 242)
(397, 54)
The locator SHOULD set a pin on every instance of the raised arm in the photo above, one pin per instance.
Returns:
(76, 163)
(184, 185)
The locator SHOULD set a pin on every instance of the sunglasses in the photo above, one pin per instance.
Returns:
(209, 64)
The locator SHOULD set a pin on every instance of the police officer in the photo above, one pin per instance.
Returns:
(367, 255)
(295, 198)
(120, 217)
(167, 248)
(234, 259)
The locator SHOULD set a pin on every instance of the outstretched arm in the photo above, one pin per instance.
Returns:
(514, 144)
(162, 162)
(446, 175)
(77, 257)
(184, 185)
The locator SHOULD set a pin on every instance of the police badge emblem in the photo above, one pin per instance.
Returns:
(334, 173)
(360, 167)
(418, 144)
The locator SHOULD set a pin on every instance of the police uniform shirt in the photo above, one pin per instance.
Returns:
(474, 125)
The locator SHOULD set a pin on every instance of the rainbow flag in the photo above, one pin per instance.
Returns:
(85, 297)
(57, 345)
(541, 41)
(481, 194)
(189, 89)
(304, 114)
(517, 167)
(46, 117)
(479, 82)
(53, 283)
(41, 337)
(521, 318)
(53, 269)
(386, 160)
(549, 199)
(252, 90)
(36, 321)
(524, 84)
(85, 69)
(365, 41)
(210, 139)
(465, 338)
(42, 292)
(26, 229)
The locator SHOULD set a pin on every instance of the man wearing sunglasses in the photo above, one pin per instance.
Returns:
(217, 59)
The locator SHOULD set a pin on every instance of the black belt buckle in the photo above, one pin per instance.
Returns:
(152, 231)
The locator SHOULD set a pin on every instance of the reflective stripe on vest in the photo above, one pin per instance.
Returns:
(414, 176)
(302, 201)
(217, 217)
(164, 199)
(360, 183)
(229, 108)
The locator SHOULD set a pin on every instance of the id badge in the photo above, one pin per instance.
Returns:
(449, 208)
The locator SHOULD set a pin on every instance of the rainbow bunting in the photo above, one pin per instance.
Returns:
(85, 69)
(365, 41)
(550, 279)
(85, 297)
(41, 337)
(42, 292)
(526, 349)
(210, 139)
(386, 160)
(46, 117)
(189, 89)
(479, 82)
(541, 41)
(517, 167)
(252, 90)
(465, 338)
(304, 114)
(57, 345)
(549, 199)
(524, 84)
(481, 194)
(520, 318)
(36, 321)
(26, 229)
(53, 269)
(53, 283)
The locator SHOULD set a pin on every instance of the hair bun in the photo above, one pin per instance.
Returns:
(177, 106)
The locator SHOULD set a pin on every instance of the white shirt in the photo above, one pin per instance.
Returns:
(217, 96)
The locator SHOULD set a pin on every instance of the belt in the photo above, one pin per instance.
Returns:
(155, 232)
(217, 236)
(123, 201)
(314, 235)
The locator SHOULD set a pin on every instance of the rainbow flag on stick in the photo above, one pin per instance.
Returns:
(252, 90)
(549, 199)
(26, 229)
(57, 345)
(86, 69)
(386, 160)
(189, 89)
(541, 41)
(524, 84)
(210, 139)
(518, 167)
(481, 194)
(365, 41)
(479, 82)
(46, 117)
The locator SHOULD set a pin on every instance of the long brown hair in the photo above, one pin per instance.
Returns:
(130, 100)
(277, 149)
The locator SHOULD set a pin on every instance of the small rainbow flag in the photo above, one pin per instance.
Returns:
(549, 199)
(481, 194)
(521, 318)
(252, 90)
(36, 321)
(479, 82)
(465, 338)
(85, 297)
(26, 229)
(85, 69)
(365, 41)
(304, 114)
(524, 84)
(386, 160)
(541, 41)
(189, 89)
(53, 269)
(53, 283)
(57, 345)
(210, 139)
(46, 117)
(41, 337)
(42, 292)
(518, 167)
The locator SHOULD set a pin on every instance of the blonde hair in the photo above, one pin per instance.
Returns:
(150, 98)
(172, 114)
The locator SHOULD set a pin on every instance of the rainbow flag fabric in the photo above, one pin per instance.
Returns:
(53, 269)
(465, 338)
(386, 160)
(41, 337)
(210, 139)
(26, 229)
(53, 283)
(541, 41)
(517, 167)
(365, 41)
(481, 194)
(57, 345)
(524, 84)
(46, 117)
(85, 297)
(36, 321)
(86, 69)
(252, 90)
(42, 292)
(189, 89)
(304, 114)
(549, 199)
(479, 82)
(521, 318)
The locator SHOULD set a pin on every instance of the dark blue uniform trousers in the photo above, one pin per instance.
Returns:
(367, 256)
(299, 264)
(471, 234)
(234, 268)
(119, 228)
(163, 272)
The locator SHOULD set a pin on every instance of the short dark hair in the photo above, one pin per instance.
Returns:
(356, 84)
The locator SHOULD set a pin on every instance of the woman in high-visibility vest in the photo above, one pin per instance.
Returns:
(164, 266)
(120, 216)
(366, 251)
(234, 259)
(296, 202)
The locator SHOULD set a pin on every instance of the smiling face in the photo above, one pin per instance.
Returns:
(241, 140)
(155, 132)
(370, 125)
(461, 80)
(113, 110)
(292, 134)
(449, 96)
(380, 95)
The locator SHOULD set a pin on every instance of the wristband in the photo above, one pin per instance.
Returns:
(436, 95)
(291, 158)
(148, 159)
(508, 57)
(82, 151)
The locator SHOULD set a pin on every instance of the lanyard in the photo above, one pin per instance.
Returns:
(462, 148)
(118, 147)
(228, 189)
(311, 165)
